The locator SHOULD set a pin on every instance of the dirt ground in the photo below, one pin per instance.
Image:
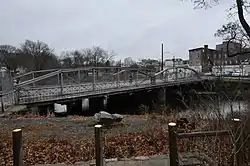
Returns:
(49, 140)
(68, 127)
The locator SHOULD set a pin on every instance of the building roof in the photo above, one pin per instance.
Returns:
(196, 49)
(201, 48)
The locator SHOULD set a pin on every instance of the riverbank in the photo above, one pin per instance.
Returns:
(70, 139)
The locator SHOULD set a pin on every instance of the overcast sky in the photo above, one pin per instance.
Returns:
(132, 28)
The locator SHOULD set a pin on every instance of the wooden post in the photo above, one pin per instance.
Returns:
(94, 78)
(98, 145)
(238, 142)
(17, 147)
(2, 103)
(173, 151)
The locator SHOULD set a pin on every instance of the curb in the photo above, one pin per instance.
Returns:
(92, 162)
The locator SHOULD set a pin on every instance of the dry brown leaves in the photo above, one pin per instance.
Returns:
(151, 142)
(53, 150)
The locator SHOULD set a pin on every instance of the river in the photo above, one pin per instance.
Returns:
(209, 108)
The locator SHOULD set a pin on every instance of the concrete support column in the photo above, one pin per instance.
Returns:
(85, 104)
(105, 102)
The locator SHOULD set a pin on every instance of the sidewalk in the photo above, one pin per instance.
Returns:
(187, 160)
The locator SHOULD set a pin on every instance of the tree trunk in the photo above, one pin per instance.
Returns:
(241, 17)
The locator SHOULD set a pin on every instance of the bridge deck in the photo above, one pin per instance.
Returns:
(67, 84)
(47, 94)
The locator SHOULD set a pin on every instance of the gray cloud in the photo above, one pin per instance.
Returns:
(130, 28)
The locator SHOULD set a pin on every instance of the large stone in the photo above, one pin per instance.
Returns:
(104, 118)
(117, 117)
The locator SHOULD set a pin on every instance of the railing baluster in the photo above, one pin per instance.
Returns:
(118, 78)
(61, 82)
(136, 78)
(93, 79)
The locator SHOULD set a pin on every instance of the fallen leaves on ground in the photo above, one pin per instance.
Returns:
(150, 142)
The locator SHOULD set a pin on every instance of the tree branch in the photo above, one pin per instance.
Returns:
(241, 17)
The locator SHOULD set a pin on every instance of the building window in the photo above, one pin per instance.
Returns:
(230, 62)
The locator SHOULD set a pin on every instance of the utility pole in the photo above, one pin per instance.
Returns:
(162, 53)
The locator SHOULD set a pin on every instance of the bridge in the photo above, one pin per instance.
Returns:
(66, 84)
(49, 86)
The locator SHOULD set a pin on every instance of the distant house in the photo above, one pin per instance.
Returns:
(175, 62)
(207, 57)
(199, 57)
(186, 62)
(222, 58)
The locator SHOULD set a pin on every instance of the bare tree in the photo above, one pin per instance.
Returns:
(149, 64)
(240, 6)
(39, 52)
(66, 60)
(8, 57)
(78, 58)
(101, 56)
(233, 32)
(8, 49)
(95, 56)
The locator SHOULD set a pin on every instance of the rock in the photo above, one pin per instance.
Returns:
(59, 108)
(104, 117)
(117, 117)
